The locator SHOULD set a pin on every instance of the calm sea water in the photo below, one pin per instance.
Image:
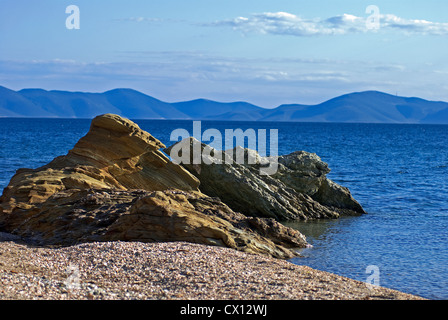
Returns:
(399, 173)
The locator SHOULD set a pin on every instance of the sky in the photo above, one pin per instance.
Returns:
(264, 52)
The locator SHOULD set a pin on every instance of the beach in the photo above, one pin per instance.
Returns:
(167, 271)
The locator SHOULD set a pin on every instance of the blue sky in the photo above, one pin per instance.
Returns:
(264, 52)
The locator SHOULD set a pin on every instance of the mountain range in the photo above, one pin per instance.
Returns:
(357, 107)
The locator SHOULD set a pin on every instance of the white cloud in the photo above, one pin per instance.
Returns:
(283, 23)
(264, 81)
(414, 25)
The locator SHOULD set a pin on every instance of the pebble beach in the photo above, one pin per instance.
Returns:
(167, 271)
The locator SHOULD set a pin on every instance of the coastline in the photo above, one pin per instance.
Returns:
(167, 271)
(115, 219)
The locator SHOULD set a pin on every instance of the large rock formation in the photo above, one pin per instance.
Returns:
(299, 189)
(115, 154)
(116, 184)
(74, 216)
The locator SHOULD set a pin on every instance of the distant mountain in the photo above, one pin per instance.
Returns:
(126, 102)
(367, 107)
(208, 109)
(13, 104)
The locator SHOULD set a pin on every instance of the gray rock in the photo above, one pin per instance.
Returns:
(4, 236)
(298, 190)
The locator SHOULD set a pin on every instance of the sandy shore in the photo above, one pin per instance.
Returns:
(166, 271)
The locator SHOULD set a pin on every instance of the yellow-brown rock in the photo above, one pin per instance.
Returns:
(116, 184)
(74, 216)
(115, 154)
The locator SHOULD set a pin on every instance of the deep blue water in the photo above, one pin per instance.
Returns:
(399, 173)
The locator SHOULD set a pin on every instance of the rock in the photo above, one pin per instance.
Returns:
(302, 171)
(9, 237)
(298, 190)
(116, 184)
(194, 217)
(338, 198)
(115, 154)
(73, 216)
(306, 173)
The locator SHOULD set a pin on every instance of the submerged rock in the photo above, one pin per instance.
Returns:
(299, 189)
(116, 184)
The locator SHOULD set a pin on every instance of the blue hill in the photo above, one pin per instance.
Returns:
(367, 106)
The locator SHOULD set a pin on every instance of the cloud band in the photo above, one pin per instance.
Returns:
(283, 23)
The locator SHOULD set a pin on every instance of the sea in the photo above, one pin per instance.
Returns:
(397, 172)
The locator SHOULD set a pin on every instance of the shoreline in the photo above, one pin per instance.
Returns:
(116, 185)
(167, 271)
